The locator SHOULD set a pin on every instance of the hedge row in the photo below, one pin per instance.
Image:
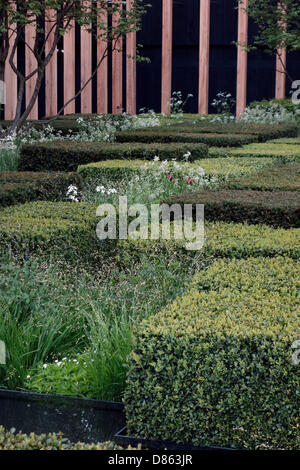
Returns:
(286, 141)
(64, 126)
(112, 170)
(117, 170)
(262, 131)
(67, 231)
(68, 123)
(215, 367)
(169, 136)
(66, 156)
(64, 230)
(278, 209)
(265, 150)
(10, 440)
(283, 178)
(222, 240)
(17, 187)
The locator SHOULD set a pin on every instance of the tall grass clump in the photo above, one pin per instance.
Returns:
(9, 159)
(76, 342)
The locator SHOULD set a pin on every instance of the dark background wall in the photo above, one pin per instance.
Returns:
(223, 55)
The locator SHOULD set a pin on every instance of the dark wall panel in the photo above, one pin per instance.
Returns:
(223, 55)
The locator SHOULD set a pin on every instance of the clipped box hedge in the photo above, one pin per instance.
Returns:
(262, 131)
(116, 170)
(113, 170)
(64, 230)
(222, 240)
(11, 440)
(286, 141)
(215, 367)
(278, 209)
(67, 156)
(61, 126)
(283, 178)
(18, 187)
(259, 150)
(168, 136)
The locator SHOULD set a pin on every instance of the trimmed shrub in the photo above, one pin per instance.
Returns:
(284, 140)
(17, 187)
(222, 240)
(64, 230)
(215, 367)
(116, 170)
(10, 440)
(64, 126)
(269, 149)
(113, 170)
(66, 156)
(284, 102)
(169, 136)
(283, 178)
(278, 209)
(262, 131)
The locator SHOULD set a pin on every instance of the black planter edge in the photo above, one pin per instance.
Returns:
(122, 439)
(61, 399)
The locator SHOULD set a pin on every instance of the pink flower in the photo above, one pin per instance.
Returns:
(170, 177)
(190, 181)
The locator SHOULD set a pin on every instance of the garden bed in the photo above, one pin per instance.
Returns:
(75, 307)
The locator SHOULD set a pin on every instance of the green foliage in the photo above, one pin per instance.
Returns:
(285, 103)
(8, 159)
(276, 27)
(111, 170)
(65, 377)
(283, 178)
(262, 131)
(118, 170)
(169, 136)
(276, 149)
(287, 141)
(66, 156)
(10, 440)
(89, 319)
(63, 230)
(63, 126)
(222, 240)
(36, 325)
(17, 187)
(215, 367)
(278, 209)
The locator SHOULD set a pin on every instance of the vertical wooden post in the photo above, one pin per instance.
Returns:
(204, 44)
(51, 69)
(167, 41)
(69, 68)
(242, 58)
(280, 74)
(102, 82)
(117, 68)
(86, 69)
(130, 69)
(30, 66)
(11, 84)
(280, 68)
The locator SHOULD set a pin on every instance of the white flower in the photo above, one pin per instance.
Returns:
(45, 366)
(187, 155)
